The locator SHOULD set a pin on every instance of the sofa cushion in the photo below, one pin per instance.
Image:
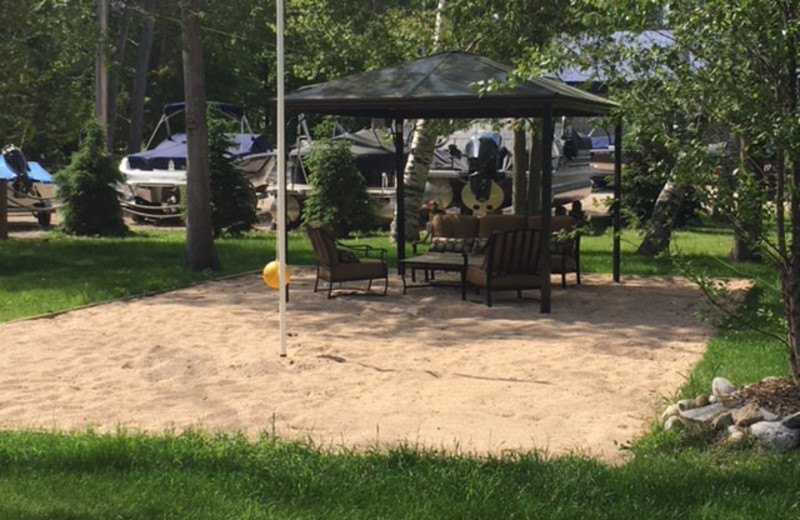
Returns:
(491, 223)
(455, 226)
(452, 245)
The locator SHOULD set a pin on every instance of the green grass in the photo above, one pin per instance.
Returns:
(198, 476)
(204, 475)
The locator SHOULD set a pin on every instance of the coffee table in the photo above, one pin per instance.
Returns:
(428, 262)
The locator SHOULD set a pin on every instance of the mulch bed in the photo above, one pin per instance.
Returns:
(778, 395)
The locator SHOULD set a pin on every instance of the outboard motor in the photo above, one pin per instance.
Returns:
(483, 194)
(18, 164)
(482, 155)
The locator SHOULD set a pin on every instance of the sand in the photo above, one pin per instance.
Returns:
(423, 368)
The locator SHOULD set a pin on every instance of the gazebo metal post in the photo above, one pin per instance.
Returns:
(617, 195)
(547, 202)
(400, 201)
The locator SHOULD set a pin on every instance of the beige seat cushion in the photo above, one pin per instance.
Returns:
(455, 226)
(365, 269)
(491, 223)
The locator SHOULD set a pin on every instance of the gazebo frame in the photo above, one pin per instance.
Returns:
(443, 86)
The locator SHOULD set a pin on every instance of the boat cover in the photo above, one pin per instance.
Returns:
(35, 172)
(174, 149)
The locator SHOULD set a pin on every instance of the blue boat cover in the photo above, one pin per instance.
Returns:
(174, 149)
(35, 172)
(602, 141)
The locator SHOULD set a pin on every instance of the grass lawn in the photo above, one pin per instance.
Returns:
(200, 475)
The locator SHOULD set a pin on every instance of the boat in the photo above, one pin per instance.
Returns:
(154, 177)
(452, 181)
(30, 187)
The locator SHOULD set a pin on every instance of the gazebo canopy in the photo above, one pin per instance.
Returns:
(444, 86)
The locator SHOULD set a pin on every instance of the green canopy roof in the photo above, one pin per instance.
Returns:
(444, 86)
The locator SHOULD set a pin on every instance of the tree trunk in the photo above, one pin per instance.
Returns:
(200, 253)
(113, 79)
(666, 209)
(520, 191)
(101, 69)
(535, 170)
(420, 157)
(140, 79)
(416, 175)
(748, 213)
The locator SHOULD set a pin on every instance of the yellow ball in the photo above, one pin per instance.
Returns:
(272, 276)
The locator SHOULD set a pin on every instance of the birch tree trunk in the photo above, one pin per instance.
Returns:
(520, 184)
(200, 252)
(140, 79)
(658, 234)
(420, 157)
(535, 170)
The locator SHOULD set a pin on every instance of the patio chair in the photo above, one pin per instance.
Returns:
(565, 246)
(337, 262)
(511, 263)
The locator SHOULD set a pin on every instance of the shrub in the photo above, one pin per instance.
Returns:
(338, 194)
(88, 188)
(232, 199)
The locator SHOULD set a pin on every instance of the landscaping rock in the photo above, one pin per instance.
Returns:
(721, 386)
(747, 415)
(686, 404)
(669, 412)
(768, 416)
(673, 423)
(701, 401)
(792, 421)
(722, 421)
(703, 415)
(733, 428)
(736, 438)
(775, 435)
(712, 399)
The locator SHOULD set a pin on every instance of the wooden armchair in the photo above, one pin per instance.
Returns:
(337, 262)
(511, 263)
(565, 246)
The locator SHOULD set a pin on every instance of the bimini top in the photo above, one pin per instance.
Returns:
(444, 86)
(227, 108)
(35, 172)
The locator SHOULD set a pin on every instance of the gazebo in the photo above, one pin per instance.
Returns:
(444, 86)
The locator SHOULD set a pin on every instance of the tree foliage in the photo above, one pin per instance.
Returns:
(232, 200)
(338, 195)
(87, 187)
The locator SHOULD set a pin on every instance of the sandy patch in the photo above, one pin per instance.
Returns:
(425, 368)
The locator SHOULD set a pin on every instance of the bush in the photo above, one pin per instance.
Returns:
(232, 199)
(649, 165)
(338, 194)
(88, 188)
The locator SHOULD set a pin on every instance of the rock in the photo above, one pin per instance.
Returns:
(722, 421)
(792, 421)
(736, 438)
(673, 423)
(733, 428)
(701, 401)
(775, 435)
(669, 412)
(721, 386)
(767, 415)
(712, 399)
(704, 414)
(686, 404)
(747, 415)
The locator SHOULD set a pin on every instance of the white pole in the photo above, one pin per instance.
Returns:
(281, 253)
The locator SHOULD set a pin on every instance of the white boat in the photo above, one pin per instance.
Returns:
(448, 182)
(153, 177)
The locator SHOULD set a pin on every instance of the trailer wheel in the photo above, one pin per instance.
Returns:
(43, 217)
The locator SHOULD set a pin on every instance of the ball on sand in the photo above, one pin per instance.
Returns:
(271, 275)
